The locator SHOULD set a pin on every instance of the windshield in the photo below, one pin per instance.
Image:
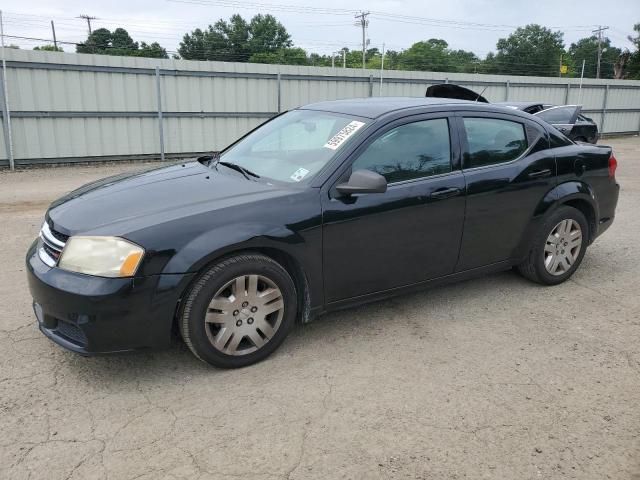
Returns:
(295, 146)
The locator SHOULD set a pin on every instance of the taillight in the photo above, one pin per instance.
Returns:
(613, 164)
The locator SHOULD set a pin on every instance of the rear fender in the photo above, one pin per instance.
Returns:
(566, 192)
(573, 192)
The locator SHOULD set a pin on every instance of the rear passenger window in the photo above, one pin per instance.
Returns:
(493, 141)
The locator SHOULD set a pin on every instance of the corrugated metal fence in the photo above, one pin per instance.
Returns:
(78, 108)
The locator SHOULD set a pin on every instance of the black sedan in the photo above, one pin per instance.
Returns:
(326, 206)
(566, 118)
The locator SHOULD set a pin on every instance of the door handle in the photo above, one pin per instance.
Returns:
(540, 173)
(445, 193)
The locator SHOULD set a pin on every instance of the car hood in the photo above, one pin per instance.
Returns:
(119, 204)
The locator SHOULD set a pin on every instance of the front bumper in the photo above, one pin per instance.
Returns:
(93, 315)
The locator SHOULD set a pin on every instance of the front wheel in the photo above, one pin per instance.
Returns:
(558, 247)
(239, 311)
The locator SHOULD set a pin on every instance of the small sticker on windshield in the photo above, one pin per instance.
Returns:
(343, 135)
(299, 174)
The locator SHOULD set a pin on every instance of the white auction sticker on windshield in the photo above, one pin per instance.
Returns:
(299, 174)
(343, 135)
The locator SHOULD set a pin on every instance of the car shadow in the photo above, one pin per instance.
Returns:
(177, 361)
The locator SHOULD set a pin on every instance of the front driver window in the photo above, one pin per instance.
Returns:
(415, 150)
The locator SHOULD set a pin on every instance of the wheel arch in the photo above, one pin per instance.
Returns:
(581, 196)
(288, 261)
(575, 194)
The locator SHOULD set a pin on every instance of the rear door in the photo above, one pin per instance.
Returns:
(508, 171)
(563, 117)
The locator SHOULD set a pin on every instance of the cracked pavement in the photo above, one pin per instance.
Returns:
(489, 378)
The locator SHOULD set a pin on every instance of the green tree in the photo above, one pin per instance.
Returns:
(104, 42)
(530, 50)
(48, 48)
(153, 50)
(266, 34)
(587, 49)
(431, 56)
(463, 61)
(98, 42)
(284, 56)
(633, 64)
(237, 40)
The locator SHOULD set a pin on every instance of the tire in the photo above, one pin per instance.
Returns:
(563, 224)
(239, 311)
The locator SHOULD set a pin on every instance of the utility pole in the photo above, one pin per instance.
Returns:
(88, 18)
(344, 58)
(599, 31)
(381, 69)
(560, 70)
(581, 77)
(364, 23)
(55, 41)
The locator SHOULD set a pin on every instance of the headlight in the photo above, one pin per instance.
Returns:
(101, 256)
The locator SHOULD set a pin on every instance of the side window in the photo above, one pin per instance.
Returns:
(415, 150)
(558, 115)
(493, 141)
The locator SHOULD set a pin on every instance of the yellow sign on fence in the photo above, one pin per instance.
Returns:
(564, 69)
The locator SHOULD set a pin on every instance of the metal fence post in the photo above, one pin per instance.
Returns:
(371, 85)
(6, 123)
(506, 93)
(160, 122)
(604, 107)
(279, 93)
(566, 95)
(6, 114)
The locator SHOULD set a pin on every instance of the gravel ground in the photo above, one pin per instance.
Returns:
(490, 378)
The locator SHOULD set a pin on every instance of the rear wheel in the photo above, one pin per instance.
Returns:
(558, 248)
(239, 311)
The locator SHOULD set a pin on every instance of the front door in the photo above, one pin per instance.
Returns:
(411, 233)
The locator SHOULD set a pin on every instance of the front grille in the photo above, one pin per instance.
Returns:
(61, 237)
(72, 333)
(51, 245)
(53, 253)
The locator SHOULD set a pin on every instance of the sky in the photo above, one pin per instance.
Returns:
(326, 26)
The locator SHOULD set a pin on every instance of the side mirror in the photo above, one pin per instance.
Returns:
(363, 181)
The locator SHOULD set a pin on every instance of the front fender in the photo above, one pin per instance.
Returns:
(219, 241)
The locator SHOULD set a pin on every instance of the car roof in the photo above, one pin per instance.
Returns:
(373, 107)
(518, 105)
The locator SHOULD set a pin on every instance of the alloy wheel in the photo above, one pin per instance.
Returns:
(562, 247)
(244, 314)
